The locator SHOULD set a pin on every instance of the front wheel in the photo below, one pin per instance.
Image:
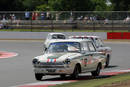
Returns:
(97, 71)
(63, 76)
(75, 72)
(38, 76)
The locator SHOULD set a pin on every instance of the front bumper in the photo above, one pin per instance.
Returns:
(53, 71)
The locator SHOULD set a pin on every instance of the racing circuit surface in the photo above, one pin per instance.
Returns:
(18, 70)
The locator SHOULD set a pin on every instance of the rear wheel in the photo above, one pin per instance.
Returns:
(76, 72)
(97, 71)
(107, 61)
(38, 76)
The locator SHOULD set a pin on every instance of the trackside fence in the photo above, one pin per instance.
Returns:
(66, 20)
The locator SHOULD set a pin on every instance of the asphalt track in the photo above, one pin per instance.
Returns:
(18, 70)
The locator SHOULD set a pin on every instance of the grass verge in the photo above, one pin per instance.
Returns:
(97, 82)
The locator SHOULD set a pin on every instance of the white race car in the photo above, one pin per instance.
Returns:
(69, 57)
(53, 36)
(99, 46)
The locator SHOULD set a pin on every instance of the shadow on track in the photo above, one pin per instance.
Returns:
(112, 66)
(81, 77)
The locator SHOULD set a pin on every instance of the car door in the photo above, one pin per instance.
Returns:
(84, 58)
(92, 56)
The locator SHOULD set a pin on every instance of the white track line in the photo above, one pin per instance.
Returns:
(44, 83)
(62, 82)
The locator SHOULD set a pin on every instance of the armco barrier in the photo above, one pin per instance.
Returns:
(42, 35)
(126, 35)
(118, 35)
(114, 35)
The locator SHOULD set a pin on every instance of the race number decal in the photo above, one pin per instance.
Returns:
(84, 61)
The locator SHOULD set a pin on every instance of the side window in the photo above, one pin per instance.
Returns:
(91, 47)
(60, 36)
(85, 46)
(54, 36)
(101, 42)
(98, 42)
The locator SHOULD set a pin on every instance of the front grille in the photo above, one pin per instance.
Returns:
(51, 63)
(49, 66)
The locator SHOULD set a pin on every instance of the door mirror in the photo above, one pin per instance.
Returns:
(44, 48)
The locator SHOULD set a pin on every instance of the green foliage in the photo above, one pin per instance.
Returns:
(121, 5)
(32, 4)
(71, 5)
(63, 5)
(100, 5)
(43, 7)
(11, 5)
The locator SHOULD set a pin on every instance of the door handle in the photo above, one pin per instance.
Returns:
(91, 54)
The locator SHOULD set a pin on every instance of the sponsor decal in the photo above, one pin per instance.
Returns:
(84, 61)
(51, 60)
(90, 60)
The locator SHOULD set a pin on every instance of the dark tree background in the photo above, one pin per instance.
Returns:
(11, 5)
(64, 5)
(121, 5)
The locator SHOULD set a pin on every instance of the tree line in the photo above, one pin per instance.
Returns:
(64, 5)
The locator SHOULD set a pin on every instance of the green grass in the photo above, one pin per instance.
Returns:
(60, 30)
(97, 82)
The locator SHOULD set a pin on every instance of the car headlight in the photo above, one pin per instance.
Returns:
(34, 61)
(67, 61)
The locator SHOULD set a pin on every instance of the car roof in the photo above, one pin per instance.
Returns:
(56, 33)
(69, 40)
(84, 36)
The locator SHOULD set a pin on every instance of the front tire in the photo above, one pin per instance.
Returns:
(75, 72)
(97, 71)
(62, 76)
(38, 76)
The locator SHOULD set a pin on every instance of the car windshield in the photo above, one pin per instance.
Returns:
(64, 47)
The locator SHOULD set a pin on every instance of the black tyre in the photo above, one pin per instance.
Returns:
(62, 76)
(97, 71)
(107, 61)
(76, 72)
(38, 76)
